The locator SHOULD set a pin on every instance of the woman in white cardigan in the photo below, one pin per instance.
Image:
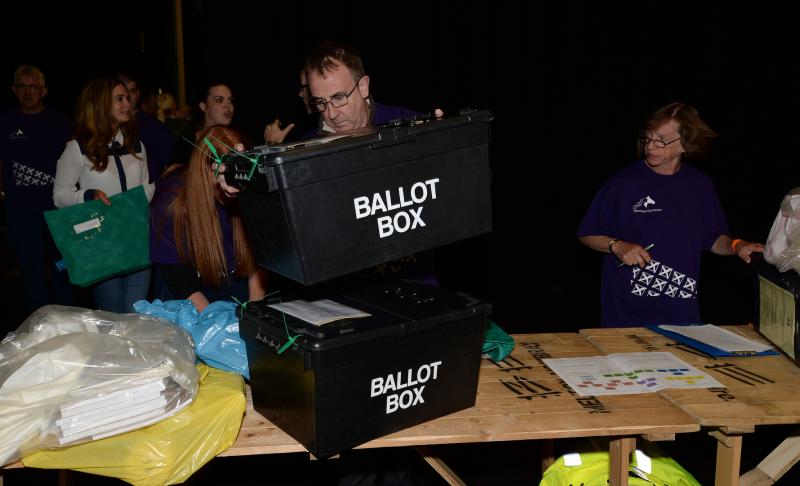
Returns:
(104, 159)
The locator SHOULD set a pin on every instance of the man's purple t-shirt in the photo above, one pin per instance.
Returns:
(30, 146)
(681, 216)
(386, 113)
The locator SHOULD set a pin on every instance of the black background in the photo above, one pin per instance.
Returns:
(569, 82)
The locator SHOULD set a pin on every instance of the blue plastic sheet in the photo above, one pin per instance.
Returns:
(215, 331)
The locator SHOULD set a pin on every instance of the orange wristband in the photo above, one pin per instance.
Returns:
(734, 243)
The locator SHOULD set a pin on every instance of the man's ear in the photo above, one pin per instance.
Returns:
(44, 91)
(202, 106)
(363, 86)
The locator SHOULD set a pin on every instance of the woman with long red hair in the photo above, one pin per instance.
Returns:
(197, 240)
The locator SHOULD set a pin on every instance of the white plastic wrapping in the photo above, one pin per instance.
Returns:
(783, 244)
(69, 375)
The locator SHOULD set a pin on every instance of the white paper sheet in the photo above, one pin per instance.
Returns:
(318, 312)
(627, 373)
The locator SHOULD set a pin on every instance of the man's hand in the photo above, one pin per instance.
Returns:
(745, 248)
(274, 134)
(631, 253)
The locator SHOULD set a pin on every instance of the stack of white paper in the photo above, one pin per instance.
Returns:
(719, 338)
(120, 411)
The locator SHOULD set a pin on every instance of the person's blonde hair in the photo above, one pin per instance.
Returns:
(165, 106)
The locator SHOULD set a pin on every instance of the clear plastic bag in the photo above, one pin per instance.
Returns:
(783, 244)
(70, 375)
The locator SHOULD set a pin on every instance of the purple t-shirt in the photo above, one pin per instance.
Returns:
(682, 216)
(386, 113)
(30, 146)
(163, 248)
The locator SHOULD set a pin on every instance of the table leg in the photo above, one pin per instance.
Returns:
(439, 466)
(546, 451)
(619, 453)
(65, 477)
(776, 464)
(729, 456)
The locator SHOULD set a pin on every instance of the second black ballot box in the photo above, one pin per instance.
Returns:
(336, 385)
(329, 207)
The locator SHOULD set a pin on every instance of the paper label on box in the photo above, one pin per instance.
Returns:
(86, 225)
(319, 312)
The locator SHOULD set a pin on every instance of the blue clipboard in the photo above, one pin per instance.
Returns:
(707, 349)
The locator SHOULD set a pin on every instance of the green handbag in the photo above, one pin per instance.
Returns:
(497, 344)
(99, 241)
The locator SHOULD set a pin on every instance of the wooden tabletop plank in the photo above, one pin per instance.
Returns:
(447, 430)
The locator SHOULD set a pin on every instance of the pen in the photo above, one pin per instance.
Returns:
(646, 248)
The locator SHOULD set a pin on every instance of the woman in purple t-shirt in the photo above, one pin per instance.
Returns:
(653, 219)
(197, 240)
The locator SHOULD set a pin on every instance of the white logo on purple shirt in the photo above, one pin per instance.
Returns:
(643, 205)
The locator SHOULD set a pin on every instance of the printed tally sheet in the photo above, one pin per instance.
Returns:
(627, 373)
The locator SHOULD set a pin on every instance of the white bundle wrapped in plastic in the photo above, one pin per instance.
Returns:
(69, 375)
(783, 244)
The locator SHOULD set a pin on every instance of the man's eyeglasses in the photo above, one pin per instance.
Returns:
(657, 142)
(221, 100)
(32, 87)
(337, 101)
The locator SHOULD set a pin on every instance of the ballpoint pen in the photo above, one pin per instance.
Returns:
(646, 248)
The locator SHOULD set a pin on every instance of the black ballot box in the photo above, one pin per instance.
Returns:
(777, 306)
(325, 208)
(340, 384)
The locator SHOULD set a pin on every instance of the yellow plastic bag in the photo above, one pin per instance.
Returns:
(167, 452)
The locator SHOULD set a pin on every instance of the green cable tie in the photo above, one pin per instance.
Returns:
(216, 155)
(288, 343)
(244, 306)
(291, 340)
